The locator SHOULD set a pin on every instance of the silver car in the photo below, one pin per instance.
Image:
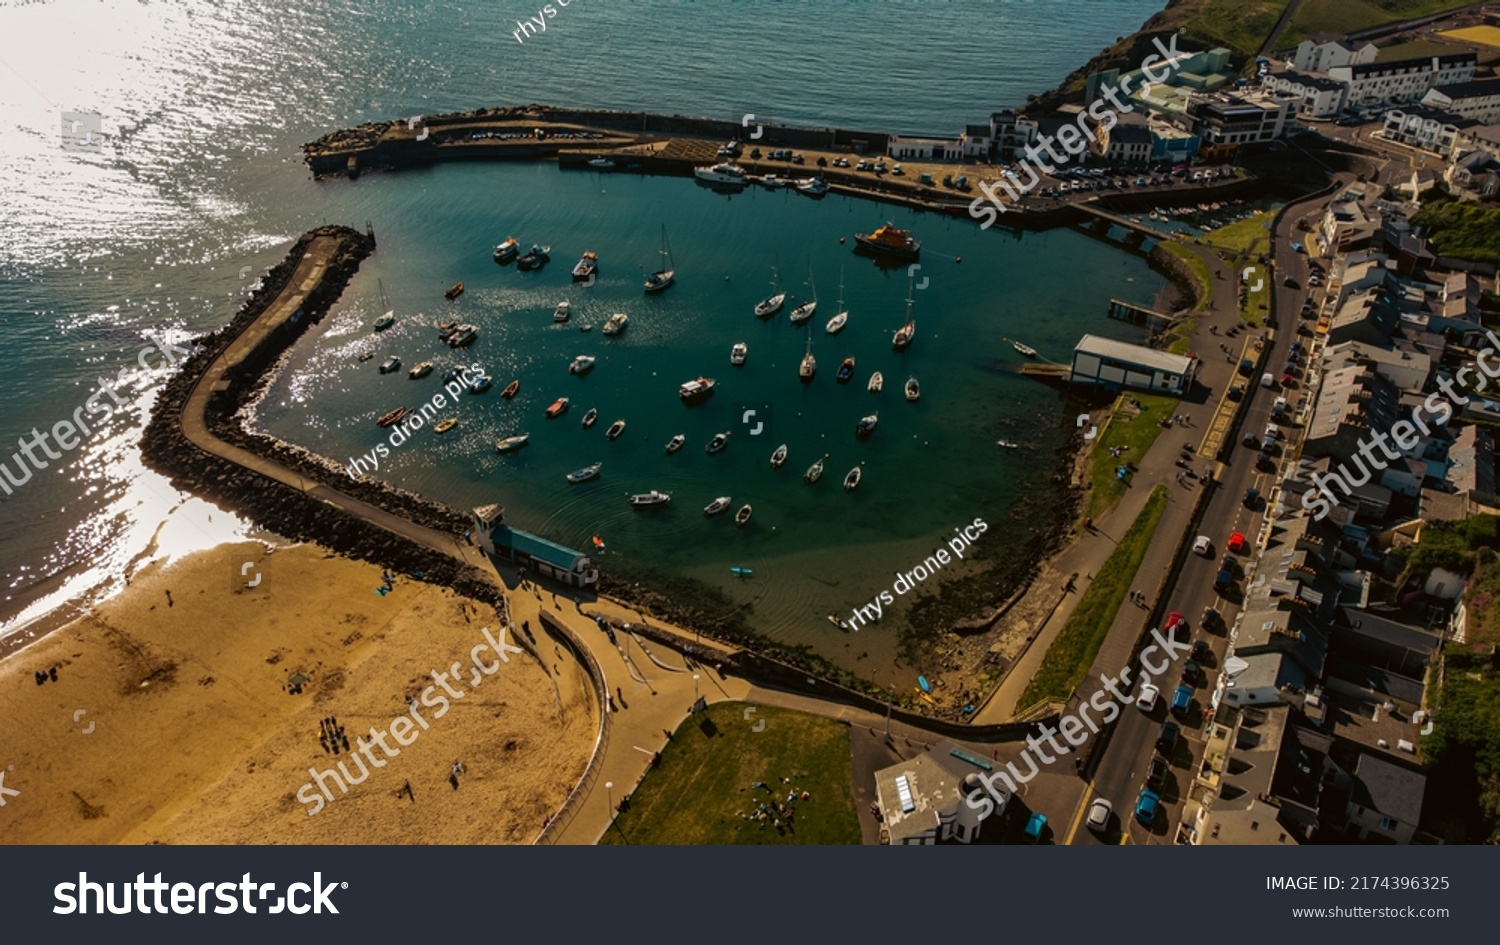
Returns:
(1099, 814)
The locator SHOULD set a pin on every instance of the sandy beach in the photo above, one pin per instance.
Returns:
(172, 718)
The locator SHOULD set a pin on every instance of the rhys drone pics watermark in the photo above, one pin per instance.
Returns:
(909, 580)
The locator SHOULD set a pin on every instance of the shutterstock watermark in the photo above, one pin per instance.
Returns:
(405, 729)
(1439, 404)
(193, 899)
(66, 432)
(1071, 727)
(1073, 138)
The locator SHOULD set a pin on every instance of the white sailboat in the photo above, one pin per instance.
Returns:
(660, 280)
(809, 365)
(806, 310)
(772, 305)
(836, 323)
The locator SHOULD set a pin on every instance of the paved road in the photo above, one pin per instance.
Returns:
(1121, 773)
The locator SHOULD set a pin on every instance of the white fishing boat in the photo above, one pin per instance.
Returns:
(512, 443)
(660, 280)
(743, 515)
(507, 250)
(581, 364)
(615, 429)
(616, 323)
(724, 173)
(390, 365)
(585, 474)
(602, 163)
(738, 353)
(718, 443)
(814, 472)
(851, 481)
(721, 504)
(866, 425)
(562, 312)
(696, 389)
(590, 418)
(778, 457)
(812, 186)
(463, 336)
(877, 381)
(675, 443)
(646, 500)
(1023, 350)
(913, 390)
(586, 267)
(481, 384)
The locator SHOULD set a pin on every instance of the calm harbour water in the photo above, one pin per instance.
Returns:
(200, 176)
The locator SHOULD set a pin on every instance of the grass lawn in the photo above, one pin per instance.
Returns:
(1247, 237)
(1464, 746)
(1349, 16)
(1125, 428)
(704, 779)
(1240, 24)
(1196, 266)
(1072, 653)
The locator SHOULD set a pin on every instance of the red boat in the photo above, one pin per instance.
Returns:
(454, 292)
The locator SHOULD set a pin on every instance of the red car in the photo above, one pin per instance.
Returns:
(1237, 543)
(1176, 623)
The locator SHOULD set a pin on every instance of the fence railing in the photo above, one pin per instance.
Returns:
(565, 814)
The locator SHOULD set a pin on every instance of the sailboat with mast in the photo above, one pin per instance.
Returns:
(389, 318)
(836, 323)
(772, 305)
(809, 365)
(902, 339)
(660, 280)
(805, 311)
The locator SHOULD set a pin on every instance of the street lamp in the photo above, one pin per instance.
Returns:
(609, 787)
(695, 688)
(888, 704)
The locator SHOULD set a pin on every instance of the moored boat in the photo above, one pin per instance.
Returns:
(510, 389)
(696, 389)
(463, 337)
(812, 186)
(778, 457)
(455, 292)
(481, 384)
(582, 364)
(507, 250)
(890, 241)
(866, 425)
(585, 474)
(390, 365)
(590, 418)
(391, 418)
(603, 163)
(616, 323)
(445, 425)
(913, 389)
(718, 443)
(615, 429)
(738, 353)
(723, 173)
(652, 499)
(807, 309)
(721, 504)
(675, 443)
(877, 381)
(901, 340)
(586, 267)
(814, 472)
(845, 372)
(836, 323)
(535, 258)
(770, 306)
(663, 278)
(1023, 350)
(743, 515)
(421, 370)
(512, 443)
(562, 313)
(558, 408)
(385, 321)
(851, 481)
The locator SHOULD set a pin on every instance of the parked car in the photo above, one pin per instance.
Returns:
(1201, 650)
(1204, 546)
(1212, 618)
(1182, 700)
(1156, 771)
(1237, 543)
(1146, 701)
(1167, 740)
(1176, 624)
(1192, 672)
(1235, 392)
(1252, 497)
(1035, 825)
(1146, 806)
(1224, 580)
(1265, 463)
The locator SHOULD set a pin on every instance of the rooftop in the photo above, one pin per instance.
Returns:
(1391, 789)
(1472, 89)
(1112, 350)
(914, 793)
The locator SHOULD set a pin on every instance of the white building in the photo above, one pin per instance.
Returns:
(1323, 52)
(1478, 100)
(1119, 364)
(922, 800)
(1402, 80)
(1223, 119)
(1421, 127)
(907, 148)
(1316, 96)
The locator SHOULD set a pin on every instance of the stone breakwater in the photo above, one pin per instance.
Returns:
(273, 505)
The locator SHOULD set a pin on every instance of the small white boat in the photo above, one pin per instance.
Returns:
(615, 429)
(590, 418)
(851, 481)
(772, 182)
(675, 443)
(866, 425)
(581, 364)
(877, 381)
(585, 474)
(913, 389)
(562, 312)
(1023, 350)
(718, 443)
(721, 504)
(601, 162)
(1006, 443)
(646, 500)
(421, 370)
(725, 173)
(616, 323)
(463, 336)
(738, 353)
(778, 457)
(804, 311)
(814, 473)
(512, 443)
(696, 389)
(663, 278)
(836, 323)
(812, 186)
(743, 515)
(508, 249)
(390, 365)
(385, 321)
(481, 384)
(770, 306)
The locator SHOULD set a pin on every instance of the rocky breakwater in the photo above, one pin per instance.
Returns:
(295, 513)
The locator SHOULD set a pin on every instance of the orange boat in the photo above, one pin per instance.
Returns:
(558, 408)
(890, 241)
(392, 417)
(510, 389)
(454, 292)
